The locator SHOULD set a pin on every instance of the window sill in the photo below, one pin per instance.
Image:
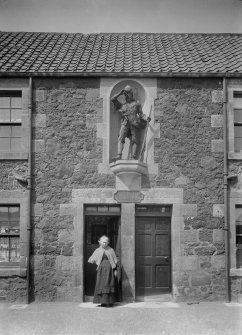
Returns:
(235, 155)
(14, 155)
(12, 271)
(235, 272)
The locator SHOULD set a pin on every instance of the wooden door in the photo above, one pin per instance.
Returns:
(152, 255)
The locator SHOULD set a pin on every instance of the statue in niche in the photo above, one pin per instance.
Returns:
(132, 123)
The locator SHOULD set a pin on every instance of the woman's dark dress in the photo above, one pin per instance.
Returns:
(105, 283)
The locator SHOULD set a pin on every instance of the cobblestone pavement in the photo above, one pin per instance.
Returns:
(165, 318)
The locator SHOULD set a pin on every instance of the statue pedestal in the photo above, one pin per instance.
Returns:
(128, 174)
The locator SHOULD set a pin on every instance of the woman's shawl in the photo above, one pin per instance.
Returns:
(98, 255)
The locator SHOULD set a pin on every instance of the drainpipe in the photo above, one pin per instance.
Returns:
(29, 189)
(226, 202)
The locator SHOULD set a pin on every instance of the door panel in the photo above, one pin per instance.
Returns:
(162, 277)
(144, 276)
(152, 255)
(161, 245)
(144, 245)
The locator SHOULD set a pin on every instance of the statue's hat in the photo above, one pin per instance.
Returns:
(128, 89)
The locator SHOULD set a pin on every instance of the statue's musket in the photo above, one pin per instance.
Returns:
(146, 129)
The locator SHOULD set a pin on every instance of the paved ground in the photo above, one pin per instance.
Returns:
(165, 318)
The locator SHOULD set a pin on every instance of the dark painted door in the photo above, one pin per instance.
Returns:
(95, 227)
(152, 255)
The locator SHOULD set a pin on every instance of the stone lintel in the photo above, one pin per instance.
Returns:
(7, 196)
(163, 196)
(94, 195)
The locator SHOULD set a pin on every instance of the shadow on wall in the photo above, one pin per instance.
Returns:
(126, 288)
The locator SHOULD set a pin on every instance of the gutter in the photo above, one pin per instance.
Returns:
(226, 202)
(124, 74)
(29, 189)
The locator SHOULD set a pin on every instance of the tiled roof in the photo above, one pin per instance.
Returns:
(26, 52)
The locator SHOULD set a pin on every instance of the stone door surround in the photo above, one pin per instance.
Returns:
(161, 196)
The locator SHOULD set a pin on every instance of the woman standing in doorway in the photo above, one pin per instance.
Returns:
(105, 259)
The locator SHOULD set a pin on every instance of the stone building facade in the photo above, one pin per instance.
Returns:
(170, 207)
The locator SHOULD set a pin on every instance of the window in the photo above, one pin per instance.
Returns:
(9, 234)
(235, 122)
(102, 209)
(10, 121)
(237, 98)
(238, 211)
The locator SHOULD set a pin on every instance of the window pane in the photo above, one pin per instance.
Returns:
(91, 209)
(5, 115)
(4, 144)
(4, 102)
(16, 131)
(237, 94)
(114, 209)
(3, 213)
(14, 249)
(14, 213)
(102, 209)
(14, 218)
(4, 249)
(15, 115)
(237, 144)
(239, 251)
(5, 131)
(237, 115)
(237, 131)
(16, 102)
(238, 213)
(15, 144)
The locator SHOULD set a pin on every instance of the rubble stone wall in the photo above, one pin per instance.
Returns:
(190, 156)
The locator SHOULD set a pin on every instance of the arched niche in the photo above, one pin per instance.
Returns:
(115, 117)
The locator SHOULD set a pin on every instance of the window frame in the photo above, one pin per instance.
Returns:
(9, 235)
(235, 199)
(23, 153)
(232, 104)
(19, 198)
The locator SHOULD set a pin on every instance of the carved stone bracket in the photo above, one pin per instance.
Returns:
(128, 174)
